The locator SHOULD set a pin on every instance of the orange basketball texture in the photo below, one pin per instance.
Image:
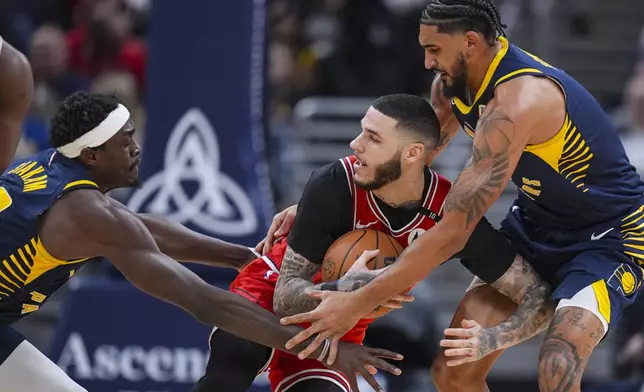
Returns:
(345, 251)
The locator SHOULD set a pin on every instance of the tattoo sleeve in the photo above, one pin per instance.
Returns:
(295, 278)
(488, 171)
(524, 286)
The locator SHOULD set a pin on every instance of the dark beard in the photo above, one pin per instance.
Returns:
(386, 173)
(458, 89)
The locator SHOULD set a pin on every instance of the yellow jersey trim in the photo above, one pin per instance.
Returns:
(465, 109)
(603, 300)
(80, 182)
(517, 72)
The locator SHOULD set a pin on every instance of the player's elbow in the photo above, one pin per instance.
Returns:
(458, 240)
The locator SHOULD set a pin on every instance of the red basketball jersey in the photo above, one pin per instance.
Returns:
(367, 214)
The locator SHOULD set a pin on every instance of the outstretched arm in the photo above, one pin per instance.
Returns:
(84, 223)
(185, 245)
(525, 287)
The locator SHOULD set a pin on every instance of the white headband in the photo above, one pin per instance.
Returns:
(99, 135)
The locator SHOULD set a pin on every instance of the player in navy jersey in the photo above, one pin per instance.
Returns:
(54, 217)
(578, 218)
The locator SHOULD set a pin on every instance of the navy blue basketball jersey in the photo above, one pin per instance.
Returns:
(28, 273)
(580, 177)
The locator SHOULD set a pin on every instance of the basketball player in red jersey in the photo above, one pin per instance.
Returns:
(16, 92)
(385, 186)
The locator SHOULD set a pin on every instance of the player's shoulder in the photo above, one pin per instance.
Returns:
(86, 208)
(16, 79)
(536, 94)
(334, 175)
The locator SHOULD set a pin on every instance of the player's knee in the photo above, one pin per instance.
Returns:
(447, 378)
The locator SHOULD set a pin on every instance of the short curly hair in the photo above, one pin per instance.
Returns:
(78, 114)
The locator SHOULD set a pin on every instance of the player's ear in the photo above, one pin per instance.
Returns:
(472, 39)
(89, 156)
(415, 152)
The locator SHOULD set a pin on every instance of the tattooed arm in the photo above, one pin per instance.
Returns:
(530, 292)
(295, 278)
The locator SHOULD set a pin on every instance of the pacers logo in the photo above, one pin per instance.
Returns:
(624, 280)
(191, 189)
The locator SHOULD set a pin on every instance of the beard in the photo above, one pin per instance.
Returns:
(386, 173)
(458, 89)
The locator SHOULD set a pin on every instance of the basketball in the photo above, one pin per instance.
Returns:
(345, 251)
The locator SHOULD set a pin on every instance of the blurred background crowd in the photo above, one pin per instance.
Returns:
(326, 60)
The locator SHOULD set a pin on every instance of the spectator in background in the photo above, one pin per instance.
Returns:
(634, 106)
(103, 41)
(53, 81)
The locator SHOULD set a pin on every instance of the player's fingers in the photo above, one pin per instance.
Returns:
(403, 298)
(317, 342)
(333, 351)
(317, 294)
(270, 236)
(259, 248)
(366, 256)
(456, 343)
(382, 353)
(285, 226)
(300, 337)
(469, 323)
(454, 352)
(459, 332)
(382, 364)
(353, 382)
(307, 317)
(392, 304)
(370, 380)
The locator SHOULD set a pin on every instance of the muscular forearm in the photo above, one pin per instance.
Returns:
(532, 316)
(238, 316)
(185, 245)
(531, 293)
(290, 297)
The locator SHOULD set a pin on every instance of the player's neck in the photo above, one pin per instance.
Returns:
(478, 69)
(407, 191)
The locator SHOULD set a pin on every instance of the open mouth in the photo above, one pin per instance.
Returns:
(358, 162)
